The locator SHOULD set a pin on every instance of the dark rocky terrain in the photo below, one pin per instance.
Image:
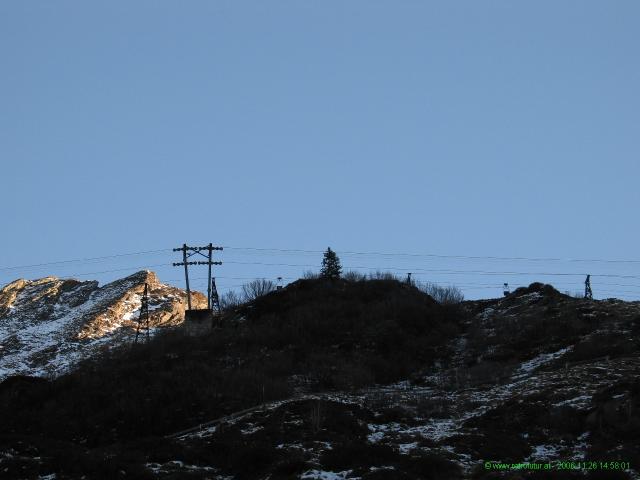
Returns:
(347, 379)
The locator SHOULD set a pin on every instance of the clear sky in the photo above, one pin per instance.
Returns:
(494, 128)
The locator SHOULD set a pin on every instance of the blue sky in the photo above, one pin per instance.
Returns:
(496, 128)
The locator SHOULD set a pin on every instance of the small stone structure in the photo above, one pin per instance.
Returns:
(198, 322)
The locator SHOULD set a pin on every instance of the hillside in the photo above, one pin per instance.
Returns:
(48, 325)
(369, 379)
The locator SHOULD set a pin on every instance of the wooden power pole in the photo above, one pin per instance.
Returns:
(188, 252)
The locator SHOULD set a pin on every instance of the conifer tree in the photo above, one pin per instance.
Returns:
(330, 265)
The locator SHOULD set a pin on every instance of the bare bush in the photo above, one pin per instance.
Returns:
(380, 275)
(257, 288)
(230, 300)
(249, 292)
(445, 295)
(354, 276)
(310, 275)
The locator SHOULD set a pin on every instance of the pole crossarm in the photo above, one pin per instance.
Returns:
(197, 263)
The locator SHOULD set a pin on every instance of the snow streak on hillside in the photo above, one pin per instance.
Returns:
(50, 324)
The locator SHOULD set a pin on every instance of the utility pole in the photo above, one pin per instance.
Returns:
(588, 293)
(143, 318)
(188, 252)
(408, 281)
(186, 272)
(211, 280)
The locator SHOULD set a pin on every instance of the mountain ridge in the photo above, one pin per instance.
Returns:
(50, 324)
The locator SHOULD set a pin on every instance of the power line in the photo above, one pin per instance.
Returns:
(495, 287)
(414, 269)
(464, 286)
(85, 259)
(138, 268)
(447, 271)
(361, 267)
(433, 255)
(291, 250)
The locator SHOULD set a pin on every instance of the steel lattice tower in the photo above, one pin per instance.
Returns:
(215, 300)
(588, 293)
(143, 318)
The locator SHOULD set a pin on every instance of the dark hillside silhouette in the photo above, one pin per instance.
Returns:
(338, 334)
(358, 373)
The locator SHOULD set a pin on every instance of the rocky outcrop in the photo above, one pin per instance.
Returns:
(48, 325)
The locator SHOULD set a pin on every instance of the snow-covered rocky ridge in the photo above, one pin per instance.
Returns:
(50, 324)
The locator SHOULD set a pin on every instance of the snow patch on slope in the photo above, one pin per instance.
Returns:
(47, 326)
